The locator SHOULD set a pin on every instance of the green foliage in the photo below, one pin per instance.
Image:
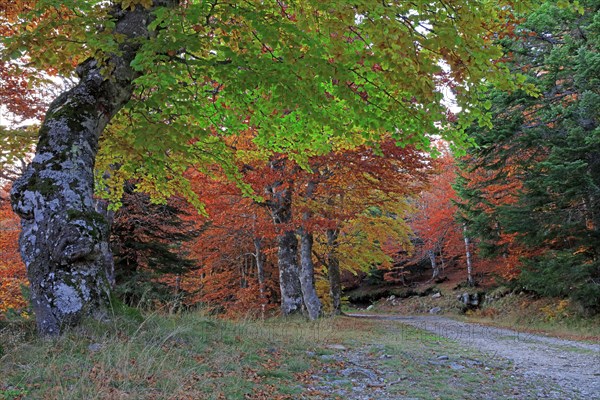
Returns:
(535, 177)
(148, 244)
(306, 76)
(120, 309)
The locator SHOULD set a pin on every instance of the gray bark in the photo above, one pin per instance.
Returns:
(307, 268)
(64, 239)
(333, 271)
(260, 266)
(280, 206)
(434, 267)
(307, 276)
(289, 280)
(470, 280)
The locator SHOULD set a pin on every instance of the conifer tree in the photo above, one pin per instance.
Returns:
(539, 168)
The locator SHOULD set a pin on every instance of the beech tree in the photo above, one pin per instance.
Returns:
(433, 222)
(184, 74)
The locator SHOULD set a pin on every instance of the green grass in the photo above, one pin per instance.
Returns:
(550, 316)
(521, 312)
(177, 356)
(193, 356)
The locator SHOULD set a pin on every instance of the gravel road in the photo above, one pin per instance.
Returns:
(573, 365)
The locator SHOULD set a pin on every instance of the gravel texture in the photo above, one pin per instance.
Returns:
(572, 367)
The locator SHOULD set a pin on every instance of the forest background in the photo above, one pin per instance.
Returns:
(287, 220)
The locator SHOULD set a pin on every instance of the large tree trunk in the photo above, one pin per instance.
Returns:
(307, 276)
(289, 280)
(280, 206)
(307, 268)
(64, 239)
(260, 266)
(333, 271)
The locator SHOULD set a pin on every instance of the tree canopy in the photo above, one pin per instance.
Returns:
(163, 83)
(309, 76)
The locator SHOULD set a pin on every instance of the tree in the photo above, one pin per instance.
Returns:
(434, 220)
(148, 242)
(548, 149)
(236, 250)
(305, 74)
(355, 195)
(362, 202)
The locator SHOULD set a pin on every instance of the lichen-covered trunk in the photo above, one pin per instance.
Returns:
(289, 280)
(307, 276)
(64, 239)
(280, 205)
(307, 268)
(333, 271)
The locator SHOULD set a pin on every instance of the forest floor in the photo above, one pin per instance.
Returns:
(195, 356)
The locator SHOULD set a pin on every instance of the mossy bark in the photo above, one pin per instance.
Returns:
(280, 206)
(64, 239)
(307, 276)
(289, 280)
(307, 268)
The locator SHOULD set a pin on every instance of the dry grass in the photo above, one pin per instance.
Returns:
(193, 356)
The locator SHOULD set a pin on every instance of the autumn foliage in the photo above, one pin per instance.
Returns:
(12, 270)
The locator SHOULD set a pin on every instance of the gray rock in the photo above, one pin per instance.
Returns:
(341, 382)
(435, 310)
(95, 347)
(327, 357)
(359, 373)
(436, 295)
(336, 347)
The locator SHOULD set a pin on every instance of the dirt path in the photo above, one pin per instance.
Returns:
(572, 365)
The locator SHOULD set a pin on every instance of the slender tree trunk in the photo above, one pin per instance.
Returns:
(470, 280)
(243, 273)
(333, 272)
(64, 239)
(260, 266)
(435, 270)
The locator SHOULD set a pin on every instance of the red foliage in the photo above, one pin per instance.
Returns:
(500, 187)
(19, 98)
(12, 269)
(434, 220)
(346, 183)
(227, 280)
